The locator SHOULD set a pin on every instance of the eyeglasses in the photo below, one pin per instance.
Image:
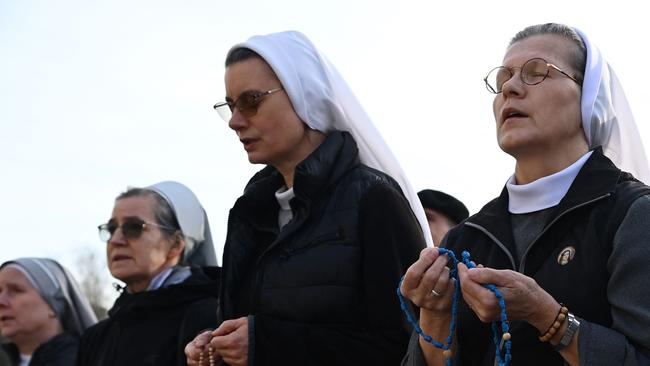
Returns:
(131, 229)
(533, 72)
(247, 104)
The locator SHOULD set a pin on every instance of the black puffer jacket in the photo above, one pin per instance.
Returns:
(58, 351)
(322, 290)
(153, 327)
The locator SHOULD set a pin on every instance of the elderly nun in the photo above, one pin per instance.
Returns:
(42, 312)
(566, 242)
(158, 244)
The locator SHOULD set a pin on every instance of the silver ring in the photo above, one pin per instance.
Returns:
(436, 294)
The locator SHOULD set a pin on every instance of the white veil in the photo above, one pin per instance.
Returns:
(606, 116)
(324, 101)
(191, 216)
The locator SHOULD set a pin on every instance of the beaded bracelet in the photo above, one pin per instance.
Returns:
(555, 326)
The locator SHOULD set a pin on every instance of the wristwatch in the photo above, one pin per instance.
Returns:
(572, 326)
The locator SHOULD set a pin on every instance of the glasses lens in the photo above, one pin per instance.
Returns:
(224, 111)
(496, 78)
(247, 103)
(106, 231)
(534, 71)
(132, 229)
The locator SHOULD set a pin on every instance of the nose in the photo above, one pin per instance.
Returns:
(237, 121)
(4, 299)
(513, 87)
(117, 238)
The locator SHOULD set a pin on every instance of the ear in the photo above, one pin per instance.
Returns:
(178, 246)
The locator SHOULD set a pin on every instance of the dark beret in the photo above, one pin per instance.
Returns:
(444, 203)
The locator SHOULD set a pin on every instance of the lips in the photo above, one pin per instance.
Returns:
(248, 142)
(511, 113)
(5, 318)
(120, 257)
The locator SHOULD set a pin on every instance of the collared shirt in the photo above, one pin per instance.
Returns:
(545, 192)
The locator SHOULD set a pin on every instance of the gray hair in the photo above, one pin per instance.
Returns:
(163, 213)
(577, 60)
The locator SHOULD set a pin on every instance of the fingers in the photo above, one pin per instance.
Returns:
(437, 272)
(485, 275)
(233, 346)
(416, 270)
(194, 349)
(229, 326)
(467, 284)
(429, 273)
(481, 300)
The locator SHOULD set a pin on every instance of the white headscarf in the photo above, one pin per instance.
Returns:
(59, 290)
(323, 100)
(606, 116)
(193, 221)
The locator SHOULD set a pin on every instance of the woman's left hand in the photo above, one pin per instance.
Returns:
(230, 341)
(525, 299)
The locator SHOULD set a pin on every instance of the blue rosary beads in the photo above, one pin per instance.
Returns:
(504, 338)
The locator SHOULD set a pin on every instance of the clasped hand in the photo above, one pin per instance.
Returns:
(525, 299)
(229, 343)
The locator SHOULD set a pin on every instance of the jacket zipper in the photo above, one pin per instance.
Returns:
(523, 258)
(499, 243)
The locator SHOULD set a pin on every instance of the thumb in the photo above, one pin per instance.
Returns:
(229, 326)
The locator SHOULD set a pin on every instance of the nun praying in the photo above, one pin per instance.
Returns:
(566, 242)
(321, 234)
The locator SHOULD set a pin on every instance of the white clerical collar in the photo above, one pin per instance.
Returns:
(24, 360)
(284, 196)
(545, 192)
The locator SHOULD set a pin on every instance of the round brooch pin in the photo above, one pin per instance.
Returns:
(566, 255)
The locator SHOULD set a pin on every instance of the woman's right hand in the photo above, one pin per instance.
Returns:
(427, 283)
(198, 349)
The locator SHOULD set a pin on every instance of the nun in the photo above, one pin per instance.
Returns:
(159, 244)
(319, 239)
(42, 312)
(566, 242)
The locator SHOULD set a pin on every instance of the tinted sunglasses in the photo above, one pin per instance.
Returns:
(131, 228)
(247, 104)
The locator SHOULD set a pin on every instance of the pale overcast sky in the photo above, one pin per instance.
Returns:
(96, 96)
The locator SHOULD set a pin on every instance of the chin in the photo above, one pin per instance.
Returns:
(254, 158)
(8, 333)
(512, 145)
(122, 274)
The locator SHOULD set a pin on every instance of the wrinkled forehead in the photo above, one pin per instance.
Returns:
(142, 206)
(550, 47)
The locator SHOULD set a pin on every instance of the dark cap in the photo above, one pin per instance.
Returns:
(444, 203)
